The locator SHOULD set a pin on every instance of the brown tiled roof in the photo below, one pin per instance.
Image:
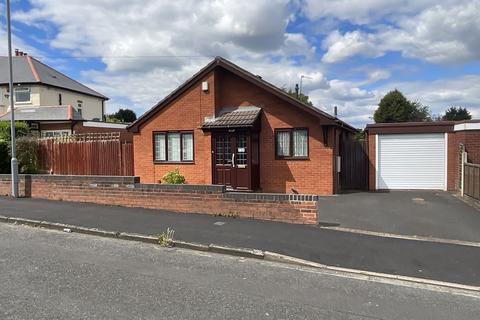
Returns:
(234, 118)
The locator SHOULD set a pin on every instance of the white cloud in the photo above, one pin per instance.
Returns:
(439, 34)
(365, 11)
(151, 29)
(339, 47)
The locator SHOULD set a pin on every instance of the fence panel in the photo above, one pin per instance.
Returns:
(86, 155)
(354, 165)
(472, 180)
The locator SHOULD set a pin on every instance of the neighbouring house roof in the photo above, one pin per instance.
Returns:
(219, 62)
(28, 70)
(241, 117)
(50, 113)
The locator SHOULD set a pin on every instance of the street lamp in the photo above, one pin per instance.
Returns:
(14, 163)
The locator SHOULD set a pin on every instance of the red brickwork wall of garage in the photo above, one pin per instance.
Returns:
(205, 199)
(471, 140)
(371, 162)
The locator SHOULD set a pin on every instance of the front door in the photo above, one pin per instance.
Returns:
(231, 159)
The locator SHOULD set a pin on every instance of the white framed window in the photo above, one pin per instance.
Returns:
(291, 143)
(22, 95)
(79, 106)
(173, 146)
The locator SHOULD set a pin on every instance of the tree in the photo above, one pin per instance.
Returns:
(421, 112)
(394, 107)
(301, 97)
(122, 115)
(457, 114)
(21, 129)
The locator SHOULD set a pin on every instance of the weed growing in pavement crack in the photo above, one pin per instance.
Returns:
(165, 239)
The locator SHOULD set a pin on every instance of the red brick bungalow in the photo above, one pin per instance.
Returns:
(227, 126)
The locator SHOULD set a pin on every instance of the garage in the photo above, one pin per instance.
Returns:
(412, 155)
(411, 161)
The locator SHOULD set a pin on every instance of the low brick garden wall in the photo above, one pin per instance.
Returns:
(205, 199)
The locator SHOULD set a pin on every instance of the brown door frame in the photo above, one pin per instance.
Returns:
(233, 134)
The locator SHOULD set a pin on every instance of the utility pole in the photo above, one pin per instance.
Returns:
(14, 163)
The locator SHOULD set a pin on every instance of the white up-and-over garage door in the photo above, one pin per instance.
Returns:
(411, 161)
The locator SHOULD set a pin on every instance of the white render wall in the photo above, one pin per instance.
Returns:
(42, 95)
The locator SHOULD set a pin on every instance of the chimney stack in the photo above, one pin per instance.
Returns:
(19, 53)
(296, 90)
(335, 111)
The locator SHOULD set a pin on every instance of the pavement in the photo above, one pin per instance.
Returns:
(48, 274)
(342, 249)
(435, 214)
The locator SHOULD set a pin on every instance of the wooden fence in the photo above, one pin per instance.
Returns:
(471, 180)
(89, 154)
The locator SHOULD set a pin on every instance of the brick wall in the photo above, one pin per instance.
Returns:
(468, 140)
(471, 140)
(371, 162)
(205, 199)
(452, 164)
(185, 113)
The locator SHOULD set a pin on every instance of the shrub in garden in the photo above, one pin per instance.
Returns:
(27, 154)
(173, 177)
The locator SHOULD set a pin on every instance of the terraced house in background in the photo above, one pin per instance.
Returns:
(52, 103)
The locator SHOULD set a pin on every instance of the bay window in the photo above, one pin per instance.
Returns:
(173, 146)
(291, 143)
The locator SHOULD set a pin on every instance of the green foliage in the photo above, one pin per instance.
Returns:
(122, 116)
(394, 107)
(457, 114)
(173, 177)
(360, 134)
(21, 130)
(420, 112)
(166, 238)
(301, 97)
(27, 154)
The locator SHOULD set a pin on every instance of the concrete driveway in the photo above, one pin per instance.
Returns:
(435, 214)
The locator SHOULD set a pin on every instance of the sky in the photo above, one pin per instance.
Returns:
(351, 53)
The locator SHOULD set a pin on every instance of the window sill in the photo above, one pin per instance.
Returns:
(173, 162)
(292, 158)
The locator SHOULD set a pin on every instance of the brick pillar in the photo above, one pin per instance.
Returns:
(458, 179)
